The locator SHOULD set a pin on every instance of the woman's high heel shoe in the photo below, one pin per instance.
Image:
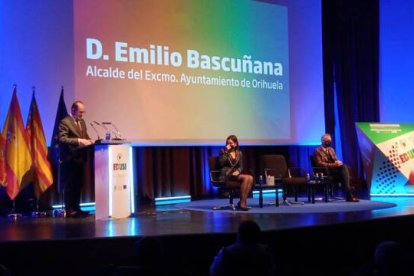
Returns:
(240, 208)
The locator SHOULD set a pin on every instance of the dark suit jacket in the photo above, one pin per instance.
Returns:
(68, 139)
(227, 165)
(325, 158)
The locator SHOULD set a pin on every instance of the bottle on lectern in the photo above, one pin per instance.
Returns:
(108, 135)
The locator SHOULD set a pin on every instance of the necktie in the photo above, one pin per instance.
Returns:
(78, 128)
(328, 154)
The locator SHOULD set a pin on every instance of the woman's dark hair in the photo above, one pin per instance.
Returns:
(234, 139)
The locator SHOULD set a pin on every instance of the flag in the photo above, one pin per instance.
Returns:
(61, 113)
(42, 170)
(2, 160)
(17, 153)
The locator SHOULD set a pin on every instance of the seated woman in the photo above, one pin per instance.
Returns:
(231, 164)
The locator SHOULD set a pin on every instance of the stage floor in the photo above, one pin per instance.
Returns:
(168, 220)
(323, 243)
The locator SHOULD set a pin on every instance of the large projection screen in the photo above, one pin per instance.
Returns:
(192, 72)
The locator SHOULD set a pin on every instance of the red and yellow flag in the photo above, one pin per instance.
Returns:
(2, 160)
(17, 154)
(42, 171)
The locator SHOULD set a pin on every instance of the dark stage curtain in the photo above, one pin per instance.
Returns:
(175, 171)
(351, 71)
(166, 172)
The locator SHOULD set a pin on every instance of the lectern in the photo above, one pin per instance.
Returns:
(114, 193)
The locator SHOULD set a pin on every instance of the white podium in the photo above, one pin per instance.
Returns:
(114, 193)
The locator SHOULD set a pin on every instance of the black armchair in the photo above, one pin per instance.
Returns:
(223, 185)
(289, 178)
(332, 181)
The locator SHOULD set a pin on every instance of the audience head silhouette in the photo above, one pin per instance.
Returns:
(246, 256)
(4, 271)
(149, 251)
(249, 232)
(390, 259)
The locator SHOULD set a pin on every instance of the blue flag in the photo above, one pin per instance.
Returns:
(61, 113)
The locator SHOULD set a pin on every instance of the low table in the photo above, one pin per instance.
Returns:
(261, 187)
(311, 186)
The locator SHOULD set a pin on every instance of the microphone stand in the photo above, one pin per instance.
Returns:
(117, 134)
(104, 127)
(62, 211)
(13, 214)
(97, 134)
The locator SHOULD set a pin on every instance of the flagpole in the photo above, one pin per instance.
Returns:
(36, 213)
(62, 211)
(13, 214)
(18, 152)
(61, 113)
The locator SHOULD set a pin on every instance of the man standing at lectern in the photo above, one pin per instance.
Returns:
(325, 156)
(73, 136)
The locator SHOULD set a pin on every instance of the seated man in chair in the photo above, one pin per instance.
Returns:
(325, 157)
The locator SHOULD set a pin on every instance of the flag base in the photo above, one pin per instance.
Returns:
(38, 214)
(14, 216)
(59, 213)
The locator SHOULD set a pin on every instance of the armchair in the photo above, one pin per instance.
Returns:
(221, 184)
(285, 177)
(332, 181)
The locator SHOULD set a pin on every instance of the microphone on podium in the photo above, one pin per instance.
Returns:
(104, 127)
(107, 131)
(117, 133)
(97, 133)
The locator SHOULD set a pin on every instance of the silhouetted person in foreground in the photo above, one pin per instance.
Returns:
(149, 260)
(390, 259)
(245, 256)
(150, 256)
(4, 271)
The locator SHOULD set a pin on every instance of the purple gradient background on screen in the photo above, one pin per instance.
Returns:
(40, 52)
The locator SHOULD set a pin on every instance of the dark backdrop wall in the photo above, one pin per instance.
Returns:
(351, 66)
